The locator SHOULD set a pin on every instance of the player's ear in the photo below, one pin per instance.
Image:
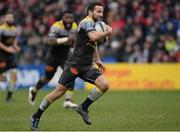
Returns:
(90, 12)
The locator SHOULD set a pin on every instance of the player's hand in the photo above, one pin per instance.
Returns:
(17, 48)
(109, 29)
(71, 38)
(101, 66)
(11, 50)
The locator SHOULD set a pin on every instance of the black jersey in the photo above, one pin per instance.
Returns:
(84, 48)
(58, 30)
(8, 35)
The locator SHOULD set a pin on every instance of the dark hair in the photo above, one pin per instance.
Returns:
(67, 11)
(9, 12)
(92, 5)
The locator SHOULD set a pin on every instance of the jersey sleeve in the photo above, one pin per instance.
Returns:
(88, 26)
(53, 33)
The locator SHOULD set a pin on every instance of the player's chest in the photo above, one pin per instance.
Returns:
(9, 33)
(62, 33)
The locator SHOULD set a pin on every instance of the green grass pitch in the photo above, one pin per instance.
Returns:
(115, 111)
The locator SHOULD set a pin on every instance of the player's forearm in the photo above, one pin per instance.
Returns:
(95, 35)
(16, 46)
(15, 43)
(2, 46)
(58, 41)
(96, 55)
(62, 40)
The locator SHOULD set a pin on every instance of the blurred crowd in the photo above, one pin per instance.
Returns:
(143, 30)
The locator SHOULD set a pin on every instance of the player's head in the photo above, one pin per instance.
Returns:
(68, 19)
(95, 10)
(9, 18)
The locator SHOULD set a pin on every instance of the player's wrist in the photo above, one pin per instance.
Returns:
(108, 32)
(97, 61)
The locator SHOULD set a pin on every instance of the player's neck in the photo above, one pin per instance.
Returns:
(8, 24)
(89, 17)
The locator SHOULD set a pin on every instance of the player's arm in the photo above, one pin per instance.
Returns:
(93, 34)
(96, 35)
(4, 47)
(61, 41)
(16, 45)
(9, 49)
(55, 40)
(97, 60)
(53, 37)
(17, 40)
(96, 54)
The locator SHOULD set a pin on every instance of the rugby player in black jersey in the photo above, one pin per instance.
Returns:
(8, 48)
(61, 39)
(80, 65)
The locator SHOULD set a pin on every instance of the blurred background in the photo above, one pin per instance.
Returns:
(145, 32)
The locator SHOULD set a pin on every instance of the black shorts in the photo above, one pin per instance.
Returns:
(56, 61)
(71, 71)
(52, 64)
(7, 63)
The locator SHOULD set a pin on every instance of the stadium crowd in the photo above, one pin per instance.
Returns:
(143, 30)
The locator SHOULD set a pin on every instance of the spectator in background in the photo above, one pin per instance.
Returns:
(135, 20)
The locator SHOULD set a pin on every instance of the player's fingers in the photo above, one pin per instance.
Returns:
(104, 69)
(101, 69)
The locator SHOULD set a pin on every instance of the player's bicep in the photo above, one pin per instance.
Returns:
(89, 29)
(91, 34)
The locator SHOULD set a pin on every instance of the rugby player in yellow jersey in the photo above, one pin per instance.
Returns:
(61, 39)
(8, 48)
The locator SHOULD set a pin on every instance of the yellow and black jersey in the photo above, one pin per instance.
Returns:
(8, 34)
(84, 49)
(59, 30)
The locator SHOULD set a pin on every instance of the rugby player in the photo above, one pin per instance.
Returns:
(61, 39)
(9, 47)
(80, 65)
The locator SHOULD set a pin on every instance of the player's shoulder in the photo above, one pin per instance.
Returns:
(58, 24)
(3, 26)
(74, 26)
(88, 19)
(86, 22)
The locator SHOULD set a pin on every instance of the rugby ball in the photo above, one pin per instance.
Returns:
(101, 26)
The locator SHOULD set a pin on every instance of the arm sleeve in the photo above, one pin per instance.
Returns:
(88, 26)
(53, 33)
